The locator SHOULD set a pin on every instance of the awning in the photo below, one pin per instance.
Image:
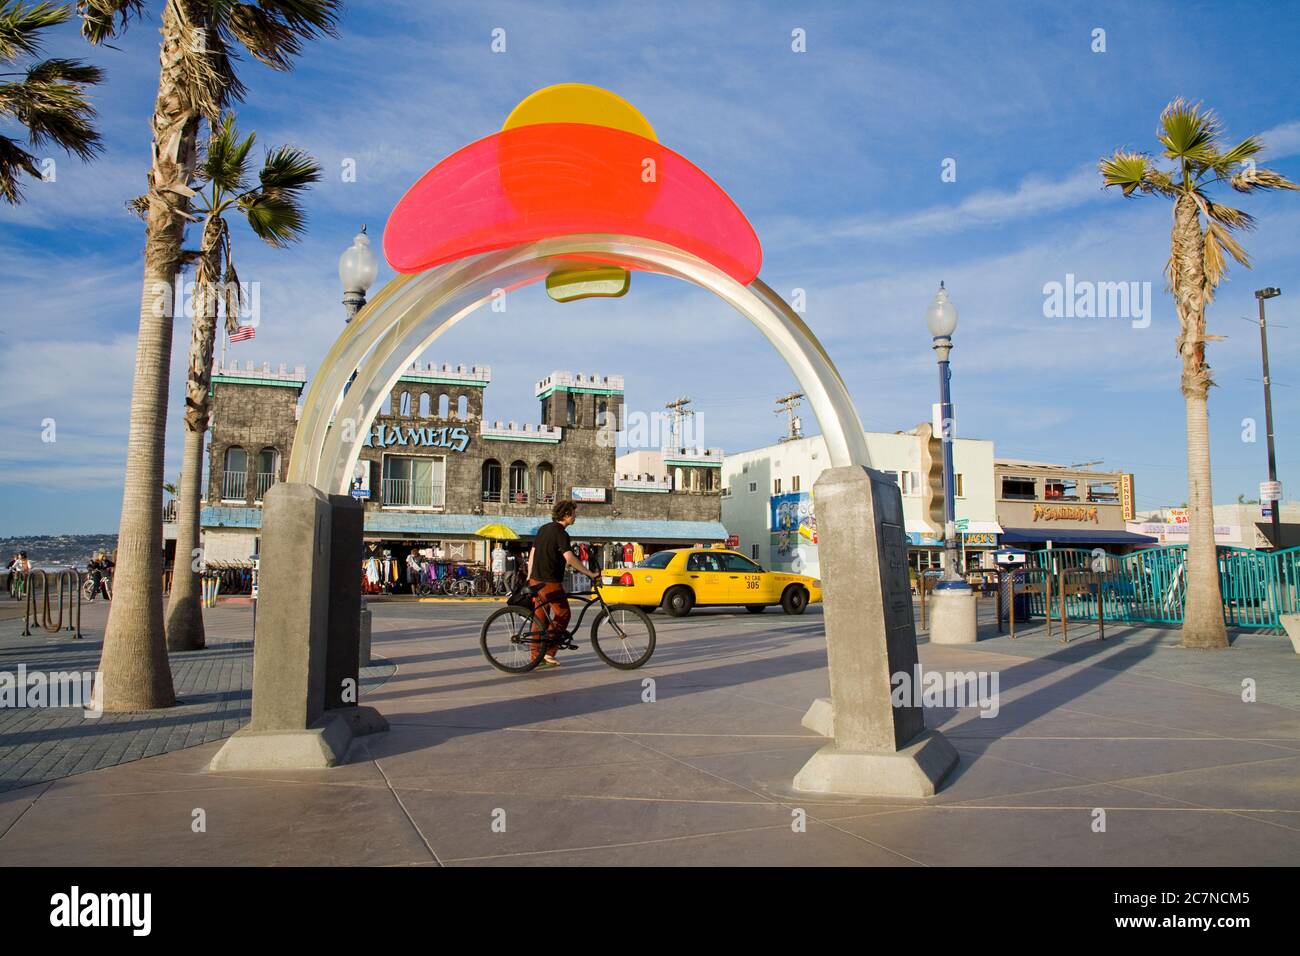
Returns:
(1078, 537)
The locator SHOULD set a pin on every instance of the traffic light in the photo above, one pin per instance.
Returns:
(931, 477)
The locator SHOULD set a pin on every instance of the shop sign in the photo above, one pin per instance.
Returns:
(1178, 516)
(388, 436)
(1065, 513)
(587, 494)
(981, 539)
(1270, 491)
(1126, 496)
(733, 541)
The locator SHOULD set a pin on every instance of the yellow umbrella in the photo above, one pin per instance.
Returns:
(497, 532)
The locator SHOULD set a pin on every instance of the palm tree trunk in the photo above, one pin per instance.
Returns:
(1203, 612)
(184, 610)
(135, 674)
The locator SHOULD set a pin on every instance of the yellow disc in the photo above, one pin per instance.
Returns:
(580, 103)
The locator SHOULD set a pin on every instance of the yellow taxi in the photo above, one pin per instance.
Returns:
(681, 579)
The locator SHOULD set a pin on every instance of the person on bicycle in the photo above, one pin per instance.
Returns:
(551, 552)
(99, 569)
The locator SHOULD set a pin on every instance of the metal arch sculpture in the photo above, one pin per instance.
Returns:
(576, 179)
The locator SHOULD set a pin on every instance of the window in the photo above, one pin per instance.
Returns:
(961, 485)
(519, 483)
(414, 482)
(738, 562)
(1018, 489)
(387, 407)
(462, 408)
(234, 479)
(776, 486)
(794, 483)
(753, 551)
(404, 405)
(704, 561)
(659, 560)
(1103, 491)
(601, 413)
(425, 404)
(1061, 489)
(570, 410)
(546, 482)
(268, 466)
(491, 480)
(444, 406)
(896, 476)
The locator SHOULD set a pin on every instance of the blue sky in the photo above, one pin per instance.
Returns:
(834, 154)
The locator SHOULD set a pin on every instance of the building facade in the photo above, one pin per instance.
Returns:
(1042, 505)
(767, 499)
(433, 469)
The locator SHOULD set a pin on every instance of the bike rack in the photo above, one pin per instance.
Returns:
(69, 576)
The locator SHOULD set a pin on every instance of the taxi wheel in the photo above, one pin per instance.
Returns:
(794, 600)
(755, 608)
(679, 601)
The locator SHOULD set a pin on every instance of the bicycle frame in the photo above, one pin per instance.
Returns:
(587, 602)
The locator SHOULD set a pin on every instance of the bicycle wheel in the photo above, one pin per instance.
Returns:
(511, 640)
(623, 636)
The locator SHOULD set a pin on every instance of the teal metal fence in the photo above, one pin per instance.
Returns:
(1150, 586)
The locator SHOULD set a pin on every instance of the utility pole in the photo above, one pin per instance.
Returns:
(787, 405)
(678, 410)
(1261, 295)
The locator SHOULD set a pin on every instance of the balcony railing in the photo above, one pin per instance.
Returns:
(234, 486)
(169, 511)
(265, 479)
(517, 497)
(491, 495)
(408, 493)
(547, 497)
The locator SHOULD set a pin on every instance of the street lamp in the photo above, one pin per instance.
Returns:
(941, 317)
(1261, 295)
(358, 267)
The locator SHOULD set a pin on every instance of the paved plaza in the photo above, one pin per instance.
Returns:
(586, 764)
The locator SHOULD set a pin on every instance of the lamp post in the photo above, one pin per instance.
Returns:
(358, 267)
(941, 317)
(1261, 295)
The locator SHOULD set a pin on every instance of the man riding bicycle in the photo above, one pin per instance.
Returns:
(551, 553)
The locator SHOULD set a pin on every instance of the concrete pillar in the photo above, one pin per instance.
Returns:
(878, 749)
(342, 656)
(291, 727)
(364, 659)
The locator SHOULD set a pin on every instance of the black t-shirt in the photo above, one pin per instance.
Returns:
(548, 558)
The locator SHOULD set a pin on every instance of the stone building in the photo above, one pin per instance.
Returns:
(434, 470)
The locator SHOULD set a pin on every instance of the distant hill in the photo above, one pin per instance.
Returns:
(58, 550)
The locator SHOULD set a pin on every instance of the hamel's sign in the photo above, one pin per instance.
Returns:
(385, 436)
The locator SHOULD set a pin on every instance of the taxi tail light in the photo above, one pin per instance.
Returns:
(625, 579)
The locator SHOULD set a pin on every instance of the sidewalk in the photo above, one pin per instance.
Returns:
(579, 766)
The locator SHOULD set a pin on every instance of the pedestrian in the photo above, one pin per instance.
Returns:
(499, 567)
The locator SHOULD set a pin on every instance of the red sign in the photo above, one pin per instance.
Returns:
(733, 541)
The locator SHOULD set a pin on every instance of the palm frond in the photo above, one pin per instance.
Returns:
(1227, 216)
(1252, 178)
(1130, 171)
(1217, 241)
(59, 70)
(54, 111)
(274, 218)
(104, 19)
(21, 25)
(288, 169)
(1189, 132)
(274, 30)
(14, 160)
(225, 162)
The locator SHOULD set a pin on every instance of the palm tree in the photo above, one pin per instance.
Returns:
(1199, 159)
(200, 43)
(271, 208)
(49, 101)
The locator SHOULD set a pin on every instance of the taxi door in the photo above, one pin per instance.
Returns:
(705, 575)
(744, 581)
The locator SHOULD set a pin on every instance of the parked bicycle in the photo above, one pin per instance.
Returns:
(622, 635)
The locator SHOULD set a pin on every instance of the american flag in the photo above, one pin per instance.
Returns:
(242, 333)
